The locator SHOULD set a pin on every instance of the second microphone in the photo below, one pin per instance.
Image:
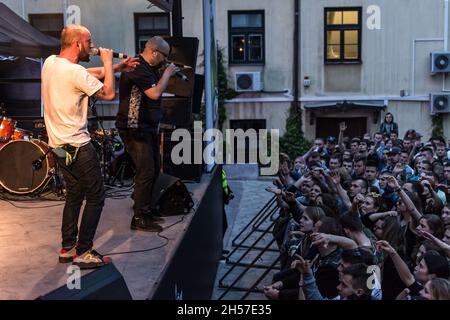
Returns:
(96, 52)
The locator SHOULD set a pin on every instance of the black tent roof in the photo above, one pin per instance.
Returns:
(19, 38)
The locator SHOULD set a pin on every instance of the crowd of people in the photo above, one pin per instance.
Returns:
(364, 218)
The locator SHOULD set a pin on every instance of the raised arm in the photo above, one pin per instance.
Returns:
(307, 284)
(107, 92)
(342, 242)
(155, 92)
(393, 183)
(402, 269)
(380, 215)
(336, 179)
(125, 65)
(441, 244)
(342, 128)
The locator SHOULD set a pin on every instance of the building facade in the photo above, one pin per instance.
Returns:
(358, 59)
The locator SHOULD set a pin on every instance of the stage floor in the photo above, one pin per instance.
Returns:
(30, 241)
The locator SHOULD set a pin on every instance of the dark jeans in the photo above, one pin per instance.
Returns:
(83, 181)
(143, 148)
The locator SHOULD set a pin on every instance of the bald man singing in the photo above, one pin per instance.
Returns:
(66, 88)
(138, 119)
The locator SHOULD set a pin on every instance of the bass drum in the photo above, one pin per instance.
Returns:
(25, 165)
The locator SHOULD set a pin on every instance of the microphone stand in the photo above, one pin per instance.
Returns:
(105, 147)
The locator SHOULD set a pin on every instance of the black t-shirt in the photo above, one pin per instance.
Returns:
(136, 110)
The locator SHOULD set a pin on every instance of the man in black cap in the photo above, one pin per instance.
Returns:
(331, 145)
(393, 155)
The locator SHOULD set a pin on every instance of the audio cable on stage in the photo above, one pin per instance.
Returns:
(167, 240)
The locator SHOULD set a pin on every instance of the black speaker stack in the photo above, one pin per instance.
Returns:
(178, 108)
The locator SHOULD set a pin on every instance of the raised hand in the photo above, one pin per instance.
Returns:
(128, 64)
(275, 191)
(301, 264)
(359, 198)
(392, 182)
(383, 245)
(336, 177)
(398, 169)
(106, 55)
(320, 238)
(289, 197)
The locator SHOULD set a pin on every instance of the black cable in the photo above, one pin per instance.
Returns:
(34, 207)
(30, 199)
(153, 248)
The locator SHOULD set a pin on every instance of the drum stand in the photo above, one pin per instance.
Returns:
(106, 155)
(119, 175)
(58, 185)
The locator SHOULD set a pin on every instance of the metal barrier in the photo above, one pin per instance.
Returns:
(268, 212)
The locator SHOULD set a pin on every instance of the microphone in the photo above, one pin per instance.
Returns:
(96, 52)
(179, 74)
(37, 164)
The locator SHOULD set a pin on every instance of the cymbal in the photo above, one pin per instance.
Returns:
(106, 132)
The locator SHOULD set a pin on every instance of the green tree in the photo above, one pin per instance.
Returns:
(224, 92)
(293, 142)
(438, 125)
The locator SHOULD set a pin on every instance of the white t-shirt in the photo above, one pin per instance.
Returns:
(66, 88)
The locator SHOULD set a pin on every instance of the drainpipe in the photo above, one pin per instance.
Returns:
(297, 66)
(65, 6)
(445, 40)
(446, 25)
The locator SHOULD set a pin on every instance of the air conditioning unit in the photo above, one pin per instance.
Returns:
(440, 102)
(247, 81)
(440, 62)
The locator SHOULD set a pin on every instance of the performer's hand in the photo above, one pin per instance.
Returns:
(128, 64)
(171, 69)
(106, 55)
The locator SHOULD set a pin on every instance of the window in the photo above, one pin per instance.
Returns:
(246, 37)
(343, 35)
(148, 25)
(50, 24)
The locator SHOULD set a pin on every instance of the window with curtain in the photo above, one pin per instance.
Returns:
(246, 37)
(343, 35)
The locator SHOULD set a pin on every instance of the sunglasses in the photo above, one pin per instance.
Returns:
(163, 53)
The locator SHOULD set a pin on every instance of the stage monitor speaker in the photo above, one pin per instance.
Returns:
(177, 112)
(183, 50)
(181, 88)
(199, 86)
(185, 171)
(170, 196)
(105, 283)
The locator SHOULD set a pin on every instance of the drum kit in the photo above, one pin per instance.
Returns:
(115, 162)
(27, 165)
